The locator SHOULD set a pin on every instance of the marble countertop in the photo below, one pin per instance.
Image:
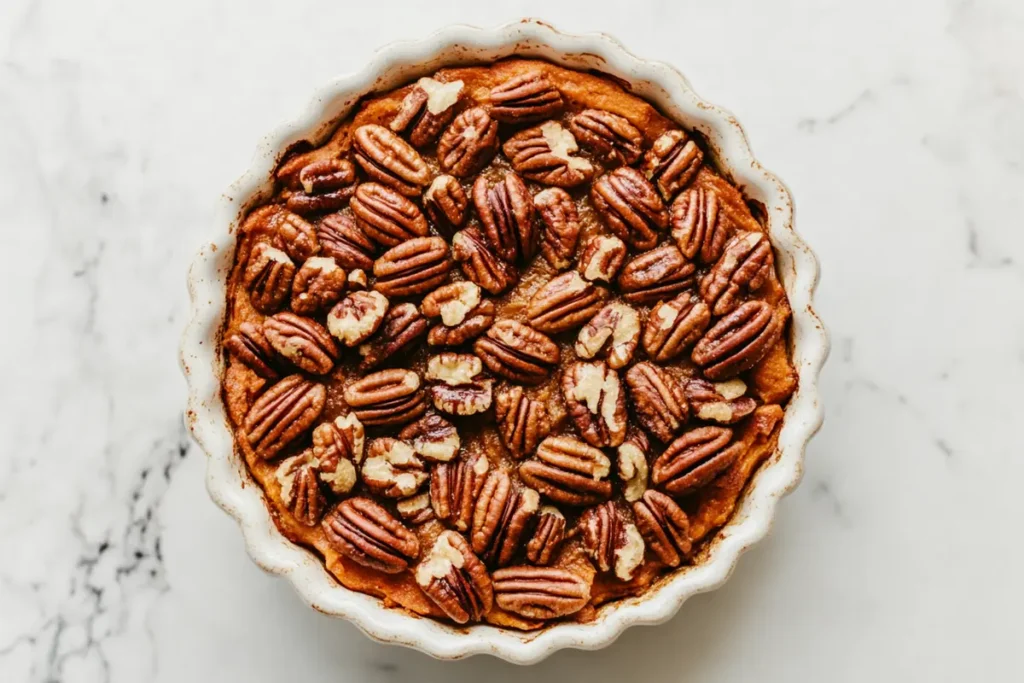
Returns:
(899, 127)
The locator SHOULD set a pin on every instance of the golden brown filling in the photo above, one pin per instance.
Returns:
(506, 347)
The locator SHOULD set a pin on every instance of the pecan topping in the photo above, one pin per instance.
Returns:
(611, 334)
(389, 160)
(343, 240)
(568, 471)
(596, 402)
(545, 153)
(461, 390)
(517, 352)
(527, 97)
(367, 534)
(452, 303)
(300, 491)
(540, 592)
(658, 399)
(657, 275)
(357, 316)
(723, 402)
(454, 369)
(694, 459)
(429, 107)
(565, 302)
(522, 421)
(400, 331)
(445, 203)
(327, 185)
(317, 286)
(392, 468)
(433, 438)
(338, 448)
(387, 217)
(745, 265)
(469, 144)
(630, 207)
(738, 341)
(672, 162)
(476, 322)
(357, 280)
(548, 535)
(664, 526)
(561, 226)
(609, 136)
(268, 277)
(387, 397)
(416, 509)
(251, 347)
(698, 225)
(282, 414)
(632, 462)
(613, 542)
(506, 213)
(481, 265)
(302, 341)
(673, 326)
(602, 257)
(413, 267)
(500, 518)
(294, 235)
(454, 487)
(455, 579)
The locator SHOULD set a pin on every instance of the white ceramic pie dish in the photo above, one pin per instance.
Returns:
(228, 480)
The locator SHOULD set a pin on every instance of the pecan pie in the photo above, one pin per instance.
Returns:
(506, 347)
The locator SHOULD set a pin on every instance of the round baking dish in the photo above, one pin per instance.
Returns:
(228, 480)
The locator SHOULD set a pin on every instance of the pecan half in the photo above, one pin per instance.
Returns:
(500, 519)
(300, 491)
(433, 438)
(565, 302)
(416, 509)
(480, 264)
(596, 402)
(522, 422)
(268, 277)
(672, 162)
(694, 459)
(610, 137)
(561, 226)
(630, 207)
(387, 217)
(545, 153)
(738, 341)
(357, 316)
(613, 542)
(426, 109)
(413, 267)
(548, 534)
(602, 258)
(366, 533)
(540, 592)
(657, 275)
(517, 352)
(658, 399)
(698, 225)
(445, 203)
(633, 469)
(318, 285)
(722, 402)
(664, 526)
(282, 414)
(342, 239)
(452, 303)
(454, 369)
(400, 332)
(462, 391)
(612, 334)
(568, 471)
(250, 346)
(673, 326)
(387, 397)
(507, 214)
(294, 235)
(476, 322)
(455, 579)
(327, 185)
(469, 144)
(392, 469)
(744, 266)
(454, 487)
(304, 342)
(338, 448)
(526, 97)
(389, 160)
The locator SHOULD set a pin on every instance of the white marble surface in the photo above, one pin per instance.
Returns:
(898, 125)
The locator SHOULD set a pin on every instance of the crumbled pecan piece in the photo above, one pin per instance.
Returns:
(673, 326)
(738, 341)
(672, 162)
(413, 267)
(612, 334)
(561, 226)
(540, 592)
(282, 414)
(630, 207)
(545, 154)
(480, 264)
(303, 341)
(613, 542)
(568, 471)
(445, 203)
(500, 519)
(507, 214)
(699, 227)
(416, 509)
(656, 275)
(392, 468)
(364, 532)
(318, 285)
(517, 352)
(426, 109)
(632, 463)
(357, 316)
(300, 491)
(694, 459)
(338, 449)
(595, 400)
(326, 185)
(526, 97)
(400, 332)
(522, 422)
(469, 144)
(746, 264)
(387, 397)
(389, 160)
(433, 438)
(609, 136)
(722, 402)
(357, 280)
(250, 346)
(268, 277)
(602, 258)
(387, 217)
(664, 526)
(294, 235)
(548, 535)
(455, 579)
(658, 399)
(454, 487)
(342, 239)
(565, 302)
